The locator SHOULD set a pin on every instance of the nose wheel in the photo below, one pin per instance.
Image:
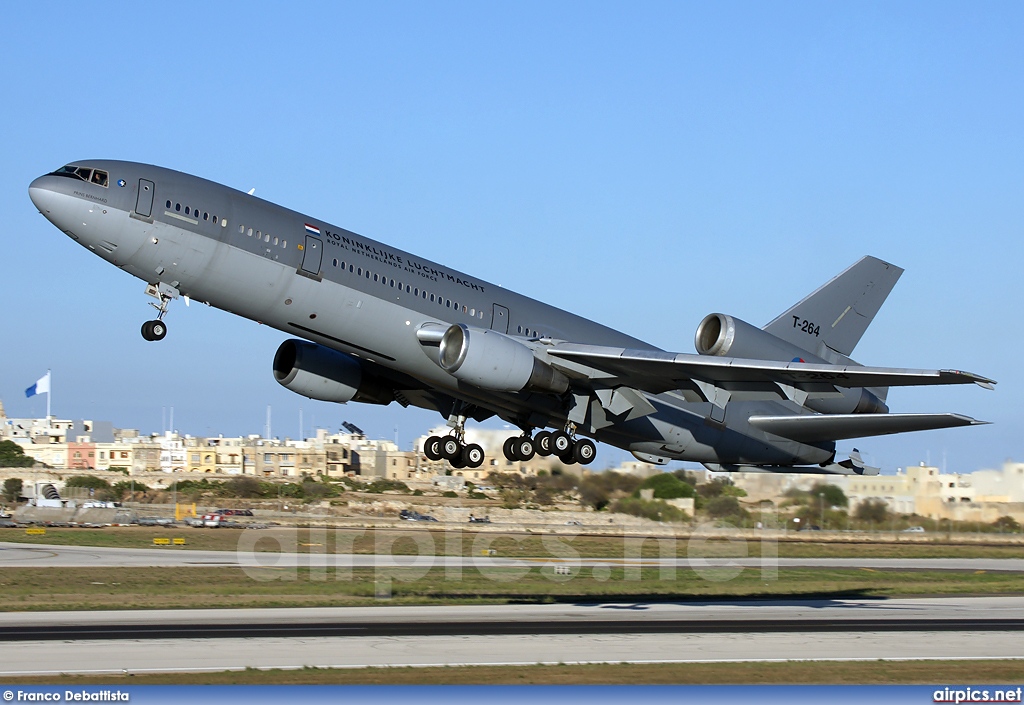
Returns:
(154, 330)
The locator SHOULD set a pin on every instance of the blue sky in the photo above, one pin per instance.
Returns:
(639, 165)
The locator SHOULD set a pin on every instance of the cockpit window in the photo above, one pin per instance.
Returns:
(95, 176)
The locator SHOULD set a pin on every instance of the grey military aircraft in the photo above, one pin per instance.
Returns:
(377, 325)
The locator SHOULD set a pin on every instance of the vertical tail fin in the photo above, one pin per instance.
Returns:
(839, 312)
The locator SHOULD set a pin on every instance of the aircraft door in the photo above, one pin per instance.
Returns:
(312, 255)
(499, 319)
(144, 203)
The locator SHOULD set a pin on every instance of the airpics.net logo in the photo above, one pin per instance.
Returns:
(977, 695)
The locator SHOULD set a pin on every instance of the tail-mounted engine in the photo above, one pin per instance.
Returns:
(320, 373)
(727, 336)
(491, 360)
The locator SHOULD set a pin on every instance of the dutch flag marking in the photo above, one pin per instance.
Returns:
(312, 230)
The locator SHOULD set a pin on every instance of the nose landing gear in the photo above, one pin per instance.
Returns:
(164, 293)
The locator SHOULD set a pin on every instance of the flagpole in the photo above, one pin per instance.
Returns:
(49, 393)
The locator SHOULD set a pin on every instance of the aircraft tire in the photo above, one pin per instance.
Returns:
(432, 448)
(560, 443)
(524, 448)
(542, 443)
(147, 332)
(567, 458)
(584, 451)
(457, 463)
(508, 450)
(158, 329)
(450, 448)
(473, 456)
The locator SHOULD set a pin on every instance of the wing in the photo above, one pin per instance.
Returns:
(655, 371)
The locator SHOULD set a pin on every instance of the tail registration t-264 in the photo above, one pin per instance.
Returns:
(806, 326)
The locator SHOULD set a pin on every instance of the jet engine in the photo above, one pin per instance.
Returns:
(492, 360)
(726, 336)
(722, 335)
(324, 374)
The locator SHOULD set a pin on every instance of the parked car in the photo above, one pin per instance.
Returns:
(479, 520)
(914, 530)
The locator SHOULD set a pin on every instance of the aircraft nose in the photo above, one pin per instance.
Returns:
(37, 191)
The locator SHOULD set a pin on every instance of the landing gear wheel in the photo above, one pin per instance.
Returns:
(457, 463)
(542, 441)
(508, 450)
(584, 451)
(450, 448)
(154, 330)
(432, 448)
(473, 456)
(524, 448)
(560, 443)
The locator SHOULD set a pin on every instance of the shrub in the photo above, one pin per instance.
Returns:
(12, 489)
(723, 507)
(655, 510)
(450, 494)
(88, 481)
(665, 486)
(873, 510)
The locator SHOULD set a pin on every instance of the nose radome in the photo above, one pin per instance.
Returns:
(37, 191)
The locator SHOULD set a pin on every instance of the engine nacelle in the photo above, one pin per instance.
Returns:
(722, 335)
(727, 336)
(491, 360)
(320, 373)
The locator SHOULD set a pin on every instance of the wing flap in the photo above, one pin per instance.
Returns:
(835, 427)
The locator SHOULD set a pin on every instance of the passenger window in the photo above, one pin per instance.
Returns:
(206, 215)
(519, 329)
(177, 207)
(431, 298)
(464, 309)
(375, 277)
(168, 205)
(335, 263)
(367, 273)
(284, 243)
(186, 210)
(214, 220)
(250, 232)
(241, 229)
(266, 238)
(259, 235)
(448, 303)
(224, 223)
(472, 312)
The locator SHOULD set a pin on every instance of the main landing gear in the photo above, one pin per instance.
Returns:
(453, 448)
(558, 443)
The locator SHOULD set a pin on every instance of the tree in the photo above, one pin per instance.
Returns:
(12, 489)
(88, 481)
(875, 511)
(243, 486)
(832, 495)
(1006, 523)
(723, 507)
(13, 456)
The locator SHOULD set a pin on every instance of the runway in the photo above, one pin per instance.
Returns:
(18, 555)
(140, 641)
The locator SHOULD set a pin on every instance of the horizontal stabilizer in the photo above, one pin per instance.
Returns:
(835, 427)
(656, 371)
